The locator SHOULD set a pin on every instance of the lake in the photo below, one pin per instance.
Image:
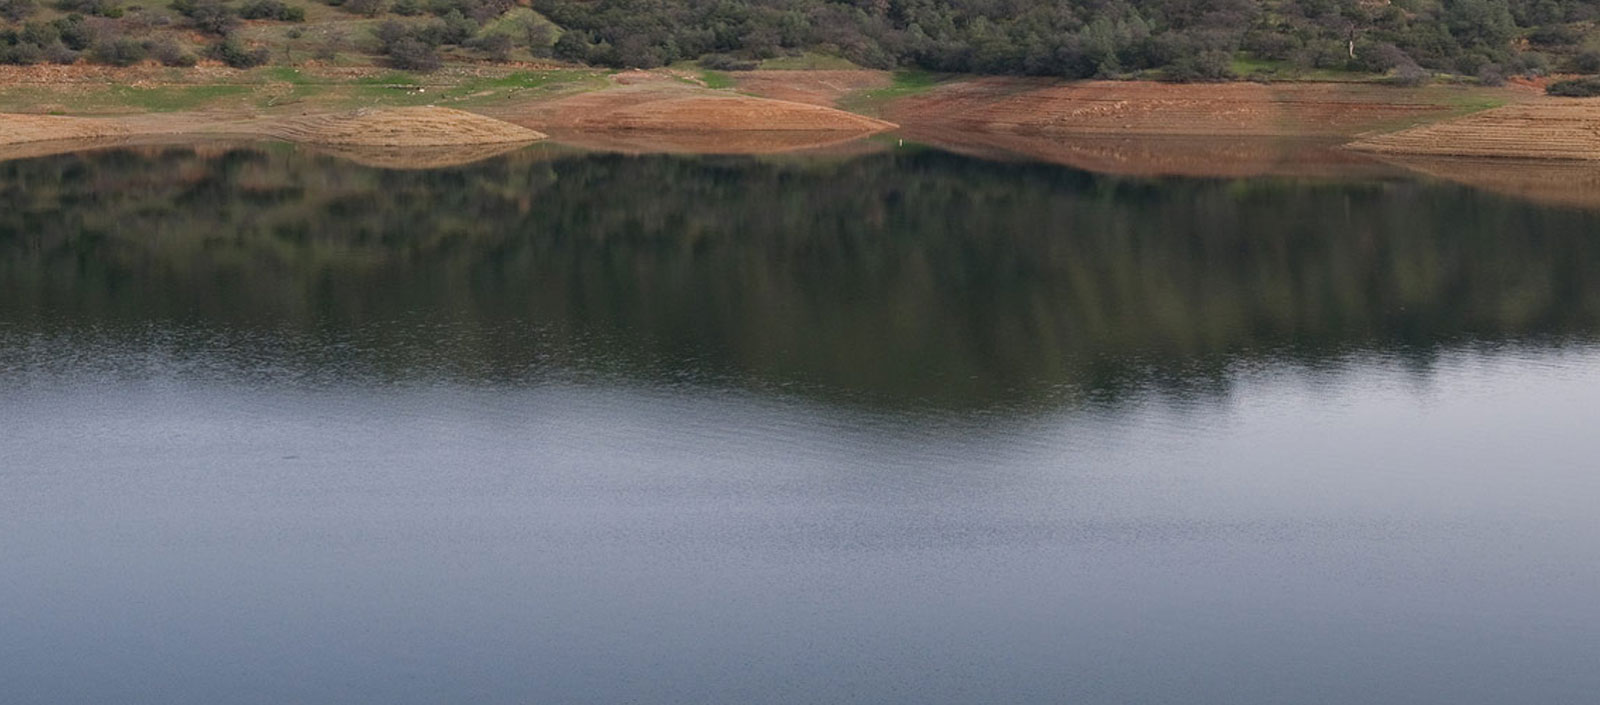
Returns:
(895, 426)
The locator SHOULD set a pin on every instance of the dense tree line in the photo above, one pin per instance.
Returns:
(103, 31)
(1084, 38)
(106, 31)
(1177, 39)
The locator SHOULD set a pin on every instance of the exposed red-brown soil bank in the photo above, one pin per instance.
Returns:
(1546, 129)
(371, 127)
(651, 102)
(1033, 106)
(824, 88)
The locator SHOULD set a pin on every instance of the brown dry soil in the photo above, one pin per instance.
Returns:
(658, 112)
(732, 142)
(19, 129)
(1245, 129)
(399, 137)
(1043, 107)
(825, 88)
(421, 126)
(1559, 129)
(635, 111)
(1233, 129)
(426, 126)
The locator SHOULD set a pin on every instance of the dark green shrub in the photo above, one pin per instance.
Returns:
(209, 16)
(17, 10)
(1491, 75)
(271, 10)
(1204, 66)
(1587, 87)
(1530, 63)
(169, 53)
(496, 47)
(458, 28)
(1555, 35)
(1587, 62)
(74, 32)
(1379, 58)
(58, 53)
(412, 55)
(571, 46)
(388, 33)
(370, 8)
(119, 52)
(235, 55)
(40, 33)
(1410, 75)
(100, 8)
(21, 54)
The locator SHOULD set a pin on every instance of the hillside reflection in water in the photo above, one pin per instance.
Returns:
(898, 427)
(892, 278)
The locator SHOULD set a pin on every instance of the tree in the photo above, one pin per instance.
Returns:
(209, 16)
(409, 54)
(234, 54)
(388, 33)
(369, 8)
(495, 46)
(458, 28)
(119, 51)
(1480, 23)
(18, 10)
(572, 47)
(1576, 88)
(536, 34)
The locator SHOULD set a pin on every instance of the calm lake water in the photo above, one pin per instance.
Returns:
(903, 427)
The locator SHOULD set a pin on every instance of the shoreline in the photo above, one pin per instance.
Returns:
(1132, 127)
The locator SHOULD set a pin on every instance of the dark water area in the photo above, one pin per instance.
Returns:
(907, 426)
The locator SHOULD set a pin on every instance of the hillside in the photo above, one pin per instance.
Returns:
(1406, 40)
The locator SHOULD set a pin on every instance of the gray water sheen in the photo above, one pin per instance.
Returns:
(905, 427)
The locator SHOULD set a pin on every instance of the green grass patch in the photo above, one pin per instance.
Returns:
(166, 99)
(911, 82)
(404, 89)
(300, 92)
(287, 74)
(275, 86)
(904, 84)
(1450, 102)
(1246, 65)
(717, 79)
(1472, 101)
(1337, 76)
(809, 61)
(487, 90)
(393, 88)
(513, 22)
(529, 79)
(390, 80)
